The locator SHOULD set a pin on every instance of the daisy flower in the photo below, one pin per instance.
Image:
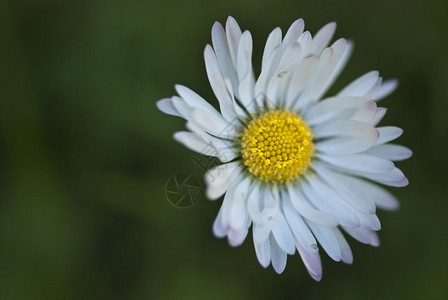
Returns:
(298, 167)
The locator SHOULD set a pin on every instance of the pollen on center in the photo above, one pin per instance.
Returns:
(277, 146)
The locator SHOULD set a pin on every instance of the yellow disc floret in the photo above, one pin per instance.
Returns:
(277, 146)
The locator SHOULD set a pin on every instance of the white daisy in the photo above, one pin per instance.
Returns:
(296, 166)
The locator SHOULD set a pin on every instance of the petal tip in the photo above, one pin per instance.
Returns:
(279, 271)
(207, 49)
(405, 181)
(316, 277)
(159, 103)
(231, 22)
(332, 24)
(348, 260)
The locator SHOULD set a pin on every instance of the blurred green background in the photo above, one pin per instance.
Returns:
(85, 155)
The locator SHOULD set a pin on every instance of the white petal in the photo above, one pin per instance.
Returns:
(318, 80)
(395, 177)
(352, 137)
(195, 101)
(275, 94)
(348, 187)
(384, 90)
(365, 113)
(377, 85)
(253, 204)
(311, 261)
(262, 250)
(274, 53)
(348, 128)
(379, 115)
(345, 208)
(219, 179)
(271, 197)
(370, 222)
(228, 202)
(222, 51)
(217, 83)
(334, 108)
(182, 107)
(278, 257)
(233, 33)
(363, 235)
(266, 72)
(390, 151)
(222, 224)
(339, 53)
(291, 77)
(273, 42)
(244, 69)
(234, 206)
(236, 105)
(294, 32)
(224, 148)
(298, 227)
(244, 55)
(326, 199)
(216, 126)
(166, 106)
(237, 237)
(332, 201)
(339, 47)
(388, 133)
(218, 228)
(305, 41)
(307, 211)
(359, 162)
(327, 240)
(374, 239)
(344, 145)
(346, 252)
(290, 57)
(382, 198)
(262, 231)
(300, 77)
(193, 142)
(322, 38)
(361, 86)
(268, 214)
(343, 50)
(282, 234)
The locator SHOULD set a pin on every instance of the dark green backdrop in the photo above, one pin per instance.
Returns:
(85, 155)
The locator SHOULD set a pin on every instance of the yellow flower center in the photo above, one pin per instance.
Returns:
(277, 146)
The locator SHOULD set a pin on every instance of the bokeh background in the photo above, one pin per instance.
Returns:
(85, 155)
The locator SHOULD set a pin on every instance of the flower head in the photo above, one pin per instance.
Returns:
(296, 166)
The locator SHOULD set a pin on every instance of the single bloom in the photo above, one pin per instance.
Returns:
(298, 167)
